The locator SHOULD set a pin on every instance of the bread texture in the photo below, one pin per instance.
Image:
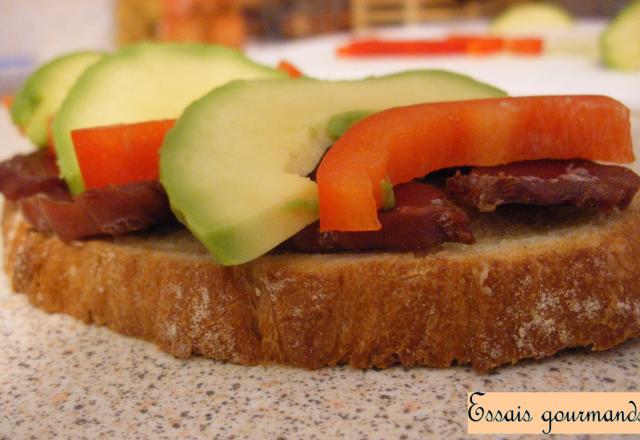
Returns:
(536, 282)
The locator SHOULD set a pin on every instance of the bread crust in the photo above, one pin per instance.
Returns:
(521, 292)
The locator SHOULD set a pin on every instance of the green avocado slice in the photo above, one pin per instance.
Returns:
(235, 164)
(44, 90)
(620, 41)
(144, 82)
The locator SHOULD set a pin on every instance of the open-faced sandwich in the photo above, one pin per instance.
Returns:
(193, 198)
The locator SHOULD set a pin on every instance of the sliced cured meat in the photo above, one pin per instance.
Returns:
(582, 183)
(28, 174)
(112, 210)
(47, 205)
(421, 219)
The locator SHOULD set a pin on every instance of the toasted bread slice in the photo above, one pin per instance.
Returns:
(537, 281)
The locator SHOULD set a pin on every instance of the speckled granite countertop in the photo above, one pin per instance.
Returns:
(60, 378)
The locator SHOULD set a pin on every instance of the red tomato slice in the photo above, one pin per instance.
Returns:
(403, 143)
(119, 154)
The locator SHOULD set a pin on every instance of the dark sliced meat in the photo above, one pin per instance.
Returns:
(582, 183)
(422, 218)
(28, 174)
(113, 210)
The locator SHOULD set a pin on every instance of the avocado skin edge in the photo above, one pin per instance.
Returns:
(30, 94)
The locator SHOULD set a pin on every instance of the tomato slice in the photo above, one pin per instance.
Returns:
(400, 144)
(119, 154)
(290, 69)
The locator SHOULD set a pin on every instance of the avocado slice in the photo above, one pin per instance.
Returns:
(532, 18)
(620, 41)
(42, 93)
(144, 82)
(235, 164)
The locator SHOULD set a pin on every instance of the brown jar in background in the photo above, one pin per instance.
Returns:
(210, 21)
(228, 22)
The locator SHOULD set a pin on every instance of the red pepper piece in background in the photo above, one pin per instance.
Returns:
(525, 46)
(477, 44)
(290, 69)
(7, 101)
(454, 44)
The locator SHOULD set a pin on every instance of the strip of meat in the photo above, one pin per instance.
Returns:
(28, 174)
(47, 205)
(582, 183)
(113, 210)
(421, 219)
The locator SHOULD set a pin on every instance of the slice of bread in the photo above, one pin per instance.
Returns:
(536, 282)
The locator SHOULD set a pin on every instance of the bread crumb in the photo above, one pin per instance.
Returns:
(482, 277)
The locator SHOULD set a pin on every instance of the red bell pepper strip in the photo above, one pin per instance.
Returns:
(401, 47)
(478, 45)
(525, 46)
(452, 45)
(290, 69)
(403, 143)
(119, 154)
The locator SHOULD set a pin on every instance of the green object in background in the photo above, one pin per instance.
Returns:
(235, 164)
(43, 92)
(531, 19)
(620, 41)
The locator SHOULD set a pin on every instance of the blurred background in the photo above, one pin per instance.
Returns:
(39, 29)
(310, 33)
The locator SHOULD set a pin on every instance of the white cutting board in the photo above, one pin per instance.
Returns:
(560, 73)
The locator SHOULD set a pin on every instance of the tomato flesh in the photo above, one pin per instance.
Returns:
(404, 143)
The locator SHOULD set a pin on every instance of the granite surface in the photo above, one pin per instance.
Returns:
(62, 379)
